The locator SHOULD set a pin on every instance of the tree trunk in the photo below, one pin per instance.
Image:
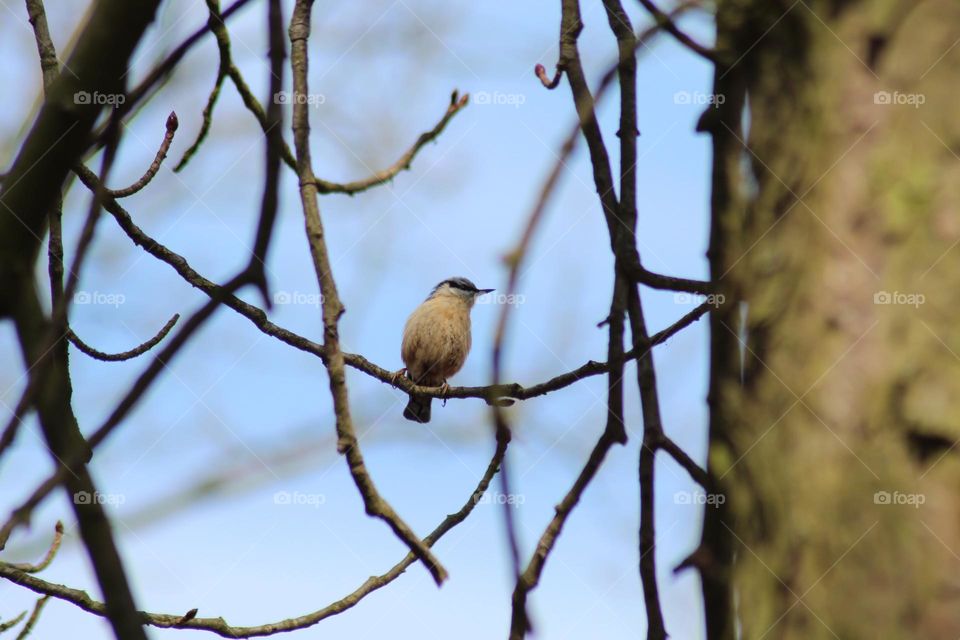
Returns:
(833, 426)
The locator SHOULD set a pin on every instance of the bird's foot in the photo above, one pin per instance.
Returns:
(444, 390)
(397, 375)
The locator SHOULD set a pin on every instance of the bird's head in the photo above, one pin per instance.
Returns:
(459, 289)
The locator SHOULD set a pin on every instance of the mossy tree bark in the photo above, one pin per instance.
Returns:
(834, 236)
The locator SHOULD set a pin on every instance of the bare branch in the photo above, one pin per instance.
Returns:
(124, 355)
(701, 476)
(12, 622)
(670, 27)
(32, 620)
(172, 124)
(385, 175)
(48, 558)
(541, 72)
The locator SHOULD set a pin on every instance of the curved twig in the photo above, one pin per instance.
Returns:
(26, 567)
(124, 355)
(378, 178)
(541, 72)
(172, 124)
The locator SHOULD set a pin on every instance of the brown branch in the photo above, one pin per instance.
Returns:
(124, 355)
(49, 63)
(635, 270)
(385, 175)
(12, 622)
(549, 83)
(700, 475)
(668, 25)
(274, 150)
(347, 443)
(32, 620)
(220, 627)
(26, 567)
(144, 180)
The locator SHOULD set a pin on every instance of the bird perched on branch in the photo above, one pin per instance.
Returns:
(436, 340)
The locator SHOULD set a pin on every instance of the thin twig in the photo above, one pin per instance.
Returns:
(171, 126)
(665, 21)
(26, 567)
(403, 163)
(549, 83)
(123, 355)
(12, 622)
(32, 620)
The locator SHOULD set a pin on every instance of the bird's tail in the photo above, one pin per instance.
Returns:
(418, 409)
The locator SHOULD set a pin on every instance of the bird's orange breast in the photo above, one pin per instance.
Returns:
(436, 340)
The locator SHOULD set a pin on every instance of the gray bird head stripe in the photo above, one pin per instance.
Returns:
(459, 285)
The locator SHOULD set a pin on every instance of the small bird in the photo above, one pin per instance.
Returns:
(436, 340)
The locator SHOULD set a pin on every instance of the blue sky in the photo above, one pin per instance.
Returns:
(241, 403)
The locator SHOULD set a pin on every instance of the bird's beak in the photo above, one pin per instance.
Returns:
(482, 291)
